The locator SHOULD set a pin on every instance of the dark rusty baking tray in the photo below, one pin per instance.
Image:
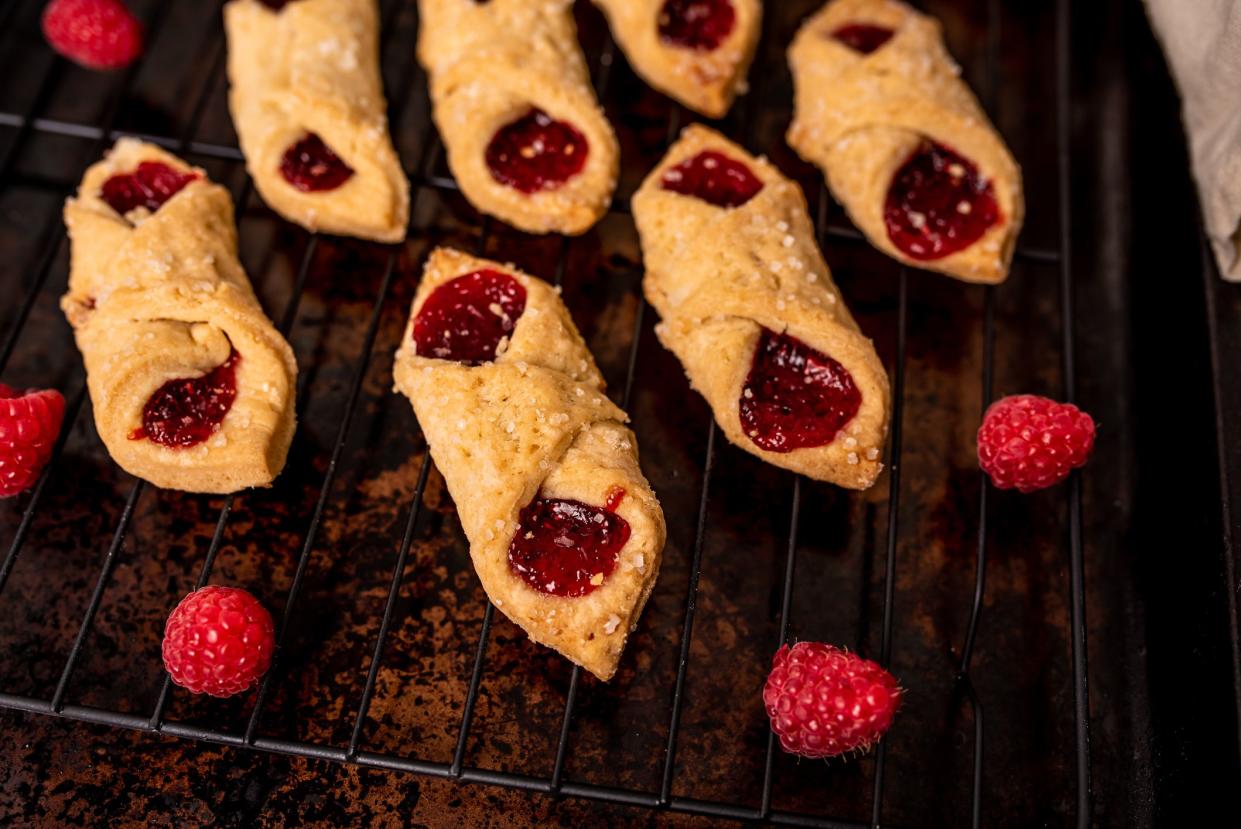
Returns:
(360, 539)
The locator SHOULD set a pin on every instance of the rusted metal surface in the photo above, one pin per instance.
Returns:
(54, 773)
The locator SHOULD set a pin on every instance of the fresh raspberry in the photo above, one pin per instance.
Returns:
(824, 701)
(218, 641)
(98, 34)
(29, 425)
(1029, 442)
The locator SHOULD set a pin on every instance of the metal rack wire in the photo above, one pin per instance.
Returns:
(23, 126)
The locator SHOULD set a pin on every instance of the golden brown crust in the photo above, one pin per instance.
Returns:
(535, 421)
(860, 116)
(718, 276)
(158, 297)
(313, 67)
(490, 64)
(705, 81)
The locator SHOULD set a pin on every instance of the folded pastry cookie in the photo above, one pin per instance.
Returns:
(192, 386)
(564, 530)
(511, 95)
(881, 108)
(308, 106)
(696, 51)
(749, 307)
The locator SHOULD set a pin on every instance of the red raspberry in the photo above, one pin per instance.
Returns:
(824, 701)
(98, 34)
(29, 426)
(1029, 442)
(218, 641)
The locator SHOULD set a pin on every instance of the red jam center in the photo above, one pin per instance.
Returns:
(795, 397)
(937, 204)
(275, 4)
(536, 152)
(466, 318)
(312, 167)
(701, 25)
(186, 412)
(149, 186)
(713, 177)
(566, 548)
(863, 37)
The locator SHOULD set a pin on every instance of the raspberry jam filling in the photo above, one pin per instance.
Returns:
(937, 204)
(276, 4)
(863, 37)
(312, 167)
(713, 177)
(567, 548)
(536, 152)
(149, 186)
(186, 412)
(466, 318)
(794, 396)
(701, 25)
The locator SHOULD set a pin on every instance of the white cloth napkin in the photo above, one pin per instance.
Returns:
(1202, 40)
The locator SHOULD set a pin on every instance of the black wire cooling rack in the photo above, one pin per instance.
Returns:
(30, 124)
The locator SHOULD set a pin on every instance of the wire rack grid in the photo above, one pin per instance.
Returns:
(25, 126)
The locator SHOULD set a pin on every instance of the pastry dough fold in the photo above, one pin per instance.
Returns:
(490, 64)
(536, 422)
(156, 297)
(312, 67)
(860, 116)
(719, 276)
(706, 81)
